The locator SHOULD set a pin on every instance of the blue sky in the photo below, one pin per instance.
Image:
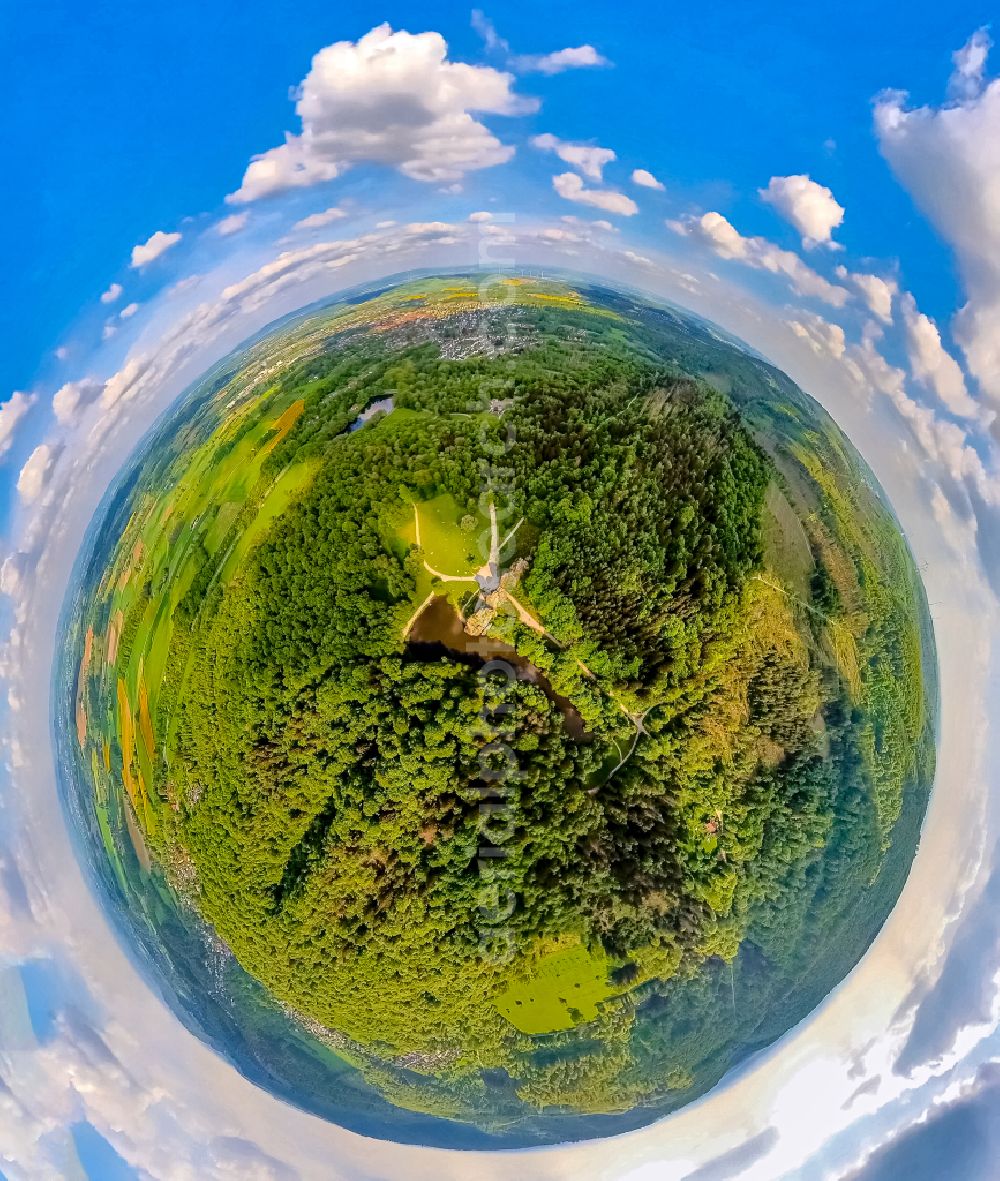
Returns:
(871, 274)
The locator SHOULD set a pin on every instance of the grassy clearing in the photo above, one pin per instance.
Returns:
(446, 546)
(559, 989)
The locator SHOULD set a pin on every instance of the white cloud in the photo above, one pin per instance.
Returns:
(480, 215)
(810, 207)
(639, 260)
(931, 363)
(949, 160)
(128, 311)
(645, 179)
(970, 65)
(878, 293)
(316, 221)
(393, 99)
(485, 28)
(12, 574)
(112, 293)
(73, 397)
(727, 242)
(876, 374)
(824, 338)
(184, 284)
(572, 188)
(232, 224)
(11, 413)
(556, 63)
(590, 160)
(597, 224)
(37, 472)
(154, 246)
(944, 443)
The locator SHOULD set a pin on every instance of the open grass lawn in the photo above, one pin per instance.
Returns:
(446, 546)
(562, 989)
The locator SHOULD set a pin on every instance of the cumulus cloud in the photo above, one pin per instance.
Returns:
(873, 371)
(970, 65)
(316, 221)
(575, 58)
(824, 338)
(810, 207)
(391, 98)
(945, 444)
(71, 399)
(154, 246)
(645, 179)
(480, 215)
(128, 311)
(36, 473)
(878, 293)
(569, 186)
(112, 293)
(931, 363)
(232, 224)
(949, 160)
(12, 575)
(588, 159)
(720, 236)
(11, 413)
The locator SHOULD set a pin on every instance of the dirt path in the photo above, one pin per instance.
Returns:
(488, 574)
(509, 537)
(448, 577)
(528, 619)
(637, 720)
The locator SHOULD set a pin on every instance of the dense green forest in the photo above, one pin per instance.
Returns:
(512, 729)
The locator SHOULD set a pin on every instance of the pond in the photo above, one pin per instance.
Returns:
(439, 626)
(370, 411)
